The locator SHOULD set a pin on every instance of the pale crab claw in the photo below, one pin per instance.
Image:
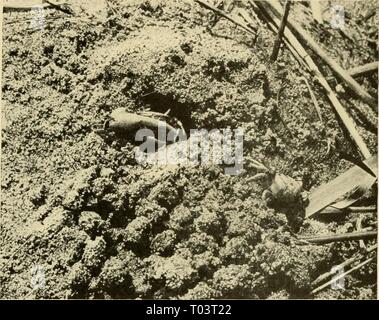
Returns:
(259, 166)
(256, 177)
(304, 196)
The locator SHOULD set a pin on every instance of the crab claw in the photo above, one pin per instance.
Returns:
(262, 171)
(260, 167)
(256, 177)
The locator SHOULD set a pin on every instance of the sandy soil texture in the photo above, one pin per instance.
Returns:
(75, 204)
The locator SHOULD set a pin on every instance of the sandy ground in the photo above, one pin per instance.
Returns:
(79, 212)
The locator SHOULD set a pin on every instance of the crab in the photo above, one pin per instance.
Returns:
(120, 121)
(282, 189)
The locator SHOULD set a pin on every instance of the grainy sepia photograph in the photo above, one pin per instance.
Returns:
(189, 149)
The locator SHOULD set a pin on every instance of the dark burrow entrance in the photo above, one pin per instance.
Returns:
(158, 102)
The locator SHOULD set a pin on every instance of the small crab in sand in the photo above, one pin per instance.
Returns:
(282, 189)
